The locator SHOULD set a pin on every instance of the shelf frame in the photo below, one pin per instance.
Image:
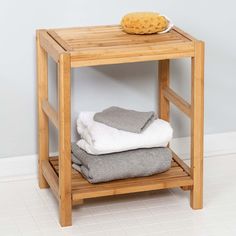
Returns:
(104, 45)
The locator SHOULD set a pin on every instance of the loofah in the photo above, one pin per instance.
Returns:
(144, 23)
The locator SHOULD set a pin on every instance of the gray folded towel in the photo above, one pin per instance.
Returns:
(121, 165)
(123, 119)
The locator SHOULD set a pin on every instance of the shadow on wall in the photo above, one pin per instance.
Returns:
(128, 85)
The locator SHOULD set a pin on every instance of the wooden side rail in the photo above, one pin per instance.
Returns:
(159, 52)
(50, 112)
(79, 194)
(177, 101)
(186, 35)
(49, 45)
(51, 177)
(182, 163)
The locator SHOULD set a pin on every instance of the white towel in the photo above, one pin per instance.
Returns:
(97, 138)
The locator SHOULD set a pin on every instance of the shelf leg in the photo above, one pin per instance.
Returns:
(163, 80)
(197, 126)
(43, 130)
(65, 203)
(79, 202)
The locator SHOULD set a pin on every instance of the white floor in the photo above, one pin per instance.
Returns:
(27, 210)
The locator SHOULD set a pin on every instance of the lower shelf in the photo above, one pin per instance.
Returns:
(177, 176)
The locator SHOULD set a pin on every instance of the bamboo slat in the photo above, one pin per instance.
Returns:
(81, 188)
(99, 45)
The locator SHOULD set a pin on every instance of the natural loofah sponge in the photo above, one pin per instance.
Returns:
(144, 23)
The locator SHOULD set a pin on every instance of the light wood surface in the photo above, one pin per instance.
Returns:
(51, 177)
(163, 80)
(60, 41)
(181, 163)
(43, 130)
(65, 205)
(184, 34)
(78, 202)
(110, 45)
(132, 54)
(50, 112)
(178, 101)
(50, 46)
(186, 188)
(99, 45)
(82, 189)
(197, 126)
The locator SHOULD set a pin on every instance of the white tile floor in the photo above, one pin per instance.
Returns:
(27, 210)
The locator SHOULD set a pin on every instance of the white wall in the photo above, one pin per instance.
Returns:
(130, 85)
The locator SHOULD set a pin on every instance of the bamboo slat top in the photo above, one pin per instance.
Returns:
(97, 45)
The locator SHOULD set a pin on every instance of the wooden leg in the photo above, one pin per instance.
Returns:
(65, 204)
(163, 79)
(43, 142)
(197, 126)
(79, 202)
(186, 188)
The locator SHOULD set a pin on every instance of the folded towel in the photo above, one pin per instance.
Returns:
(123, 119)
(129, 164)
(97, 138)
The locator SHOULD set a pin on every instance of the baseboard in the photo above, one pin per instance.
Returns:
(20, 167)
(214, 145)
(12, 167)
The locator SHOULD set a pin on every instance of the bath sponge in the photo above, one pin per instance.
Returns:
(144, 23)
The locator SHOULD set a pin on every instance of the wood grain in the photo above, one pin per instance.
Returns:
(50, 112)
(129, 54)
(43, 130)
(163, 81)
(65, 204)
(178, 101)
(51, 177)
(183, 33)
(197, 126)
(82, 189)
(99, 45)
(180, 162)
(50, 45)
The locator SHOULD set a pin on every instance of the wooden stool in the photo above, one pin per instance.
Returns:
(103, 45)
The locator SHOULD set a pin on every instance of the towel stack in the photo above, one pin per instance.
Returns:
(118, 143)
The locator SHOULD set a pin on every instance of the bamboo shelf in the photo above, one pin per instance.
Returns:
(104, 45)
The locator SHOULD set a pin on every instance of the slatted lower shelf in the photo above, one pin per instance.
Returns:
(176, 176)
